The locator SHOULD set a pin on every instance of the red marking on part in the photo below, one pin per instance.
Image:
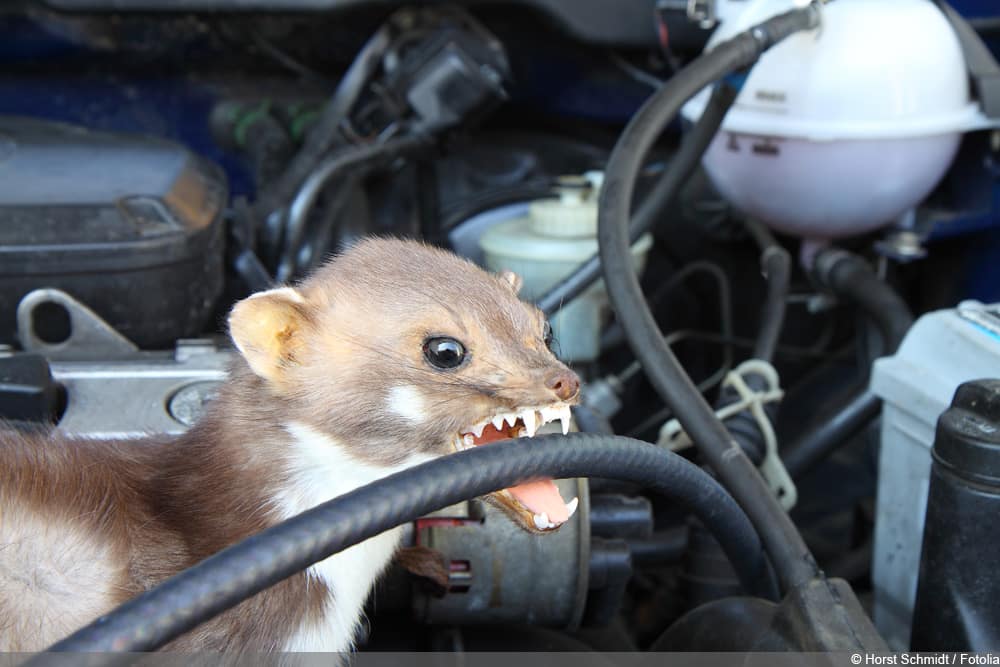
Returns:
(440, 522)
(663, 33)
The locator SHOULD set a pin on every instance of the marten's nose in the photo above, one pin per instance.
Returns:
(564, 384)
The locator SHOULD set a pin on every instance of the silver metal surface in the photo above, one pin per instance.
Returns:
(503, 574)
(114, 390)
(90, 337)
(153, 394)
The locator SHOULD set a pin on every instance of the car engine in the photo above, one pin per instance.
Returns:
(815, 236)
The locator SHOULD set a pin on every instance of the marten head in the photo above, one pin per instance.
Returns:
(396, 347)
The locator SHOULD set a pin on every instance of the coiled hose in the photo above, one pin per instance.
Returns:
(221, 581)
(789, 554)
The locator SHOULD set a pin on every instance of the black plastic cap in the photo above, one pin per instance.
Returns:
(27, 390)
(968, 433)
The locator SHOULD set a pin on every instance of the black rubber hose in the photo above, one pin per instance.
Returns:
(683, 164)
(789, 554)
(221, 581)
(776, 264)
(851, 279)
(830, 433)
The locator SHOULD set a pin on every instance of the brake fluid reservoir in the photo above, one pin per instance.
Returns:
(841, 130)
(545, 246)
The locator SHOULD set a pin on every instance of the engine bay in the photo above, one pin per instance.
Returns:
(831, 297)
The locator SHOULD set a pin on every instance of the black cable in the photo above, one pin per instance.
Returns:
(683, 164)
(792, 560)
(325, 133)
(223, 580)
(715, 272)
(266, 46)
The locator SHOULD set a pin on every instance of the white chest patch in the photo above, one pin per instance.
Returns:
(406, 402)
(322, 470)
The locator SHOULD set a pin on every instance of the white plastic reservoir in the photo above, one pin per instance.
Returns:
(841, 130)
(545, 246)
(942, 350)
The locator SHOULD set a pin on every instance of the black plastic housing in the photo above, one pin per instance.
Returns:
(129, 225)
(957, 591)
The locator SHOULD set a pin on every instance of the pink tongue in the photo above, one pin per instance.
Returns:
(541, 497)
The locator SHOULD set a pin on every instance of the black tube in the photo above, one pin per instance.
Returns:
(683, 164)
(221, 581)
(590, 420)
(776, 264)
(851, 278)
(665, 546)
(349, 162)
(793, 563)
(830, 433)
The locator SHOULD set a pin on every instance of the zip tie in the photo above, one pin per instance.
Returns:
(673, 437)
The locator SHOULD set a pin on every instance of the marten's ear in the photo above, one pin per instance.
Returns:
(267, 330)
(512, 279)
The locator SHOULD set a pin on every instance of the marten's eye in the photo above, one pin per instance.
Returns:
(547, 335)
(443, 352)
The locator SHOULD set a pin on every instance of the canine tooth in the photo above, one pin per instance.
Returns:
(477, 430)
(565, 418)
(530, 425)
(571, 505)
(469, 440)
(542, 521)
(498, 422)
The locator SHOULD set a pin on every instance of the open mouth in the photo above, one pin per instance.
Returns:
(538, 504)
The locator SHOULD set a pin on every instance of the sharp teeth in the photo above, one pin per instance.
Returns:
(528, 417)
(469, 440)
(498, 422)
(478, 429)
(521, 433)
(511, 418)
(548, 414)
(571, 505)
(542, 521)
(565, 418)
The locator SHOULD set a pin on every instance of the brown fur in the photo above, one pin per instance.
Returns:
(326, 356)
